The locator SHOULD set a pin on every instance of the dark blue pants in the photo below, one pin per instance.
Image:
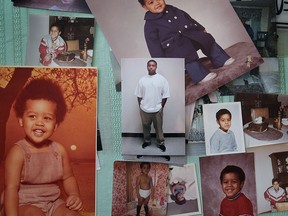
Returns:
(217, 56)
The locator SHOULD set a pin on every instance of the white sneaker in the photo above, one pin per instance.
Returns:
(229, 61)
(208, 77)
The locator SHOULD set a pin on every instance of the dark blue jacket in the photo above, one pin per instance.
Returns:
(173, 33)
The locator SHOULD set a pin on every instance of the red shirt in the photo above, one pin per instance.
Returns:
(240, 205)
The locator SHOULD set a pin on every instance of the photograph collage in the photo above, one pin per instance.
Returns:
(143, 108)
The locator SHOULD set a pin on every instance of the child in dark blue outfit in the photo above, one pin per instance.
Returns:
(171, 32)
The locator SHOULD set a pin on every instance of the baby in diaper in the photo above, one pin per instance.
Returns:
(144, 188)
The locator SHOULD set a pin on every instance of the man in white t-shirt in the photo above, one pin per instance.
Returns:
(152, 92)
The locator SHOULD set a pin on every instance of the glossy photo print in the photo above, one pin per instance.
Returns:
(231, 181)
(79, 6)
(262, 79)
(223, 128)
(183, 191)
(153, 107)
(60, 41)
(139, 188)
(209, 35)
(48, 127)
(260, 19)
(265, 118)
(271, 178)
(194, 118)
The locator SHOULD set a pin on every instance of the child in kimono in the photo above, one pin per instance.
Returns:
(171, 32)
(51, 45)
(35, 164)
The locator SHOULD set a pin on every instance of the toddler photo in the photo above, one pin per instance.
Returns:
(208, 34)
(48, 148)
(139, 188)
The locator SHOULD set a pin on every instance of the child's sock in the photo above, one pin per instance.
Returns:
(146, 209)
(229, 61)
(138, 210)
(209, 77)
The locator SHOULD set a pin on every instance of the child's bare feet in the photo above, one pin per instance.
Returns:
(229, 61)
(208, 77)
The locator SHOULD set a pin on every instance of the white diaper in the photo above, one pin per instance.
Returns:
(144, 193)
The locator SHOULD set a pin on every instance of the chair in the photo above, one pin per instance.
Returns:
(72, 45)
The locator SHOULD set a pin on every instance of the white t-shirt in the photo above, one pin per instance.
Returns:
(152, 89)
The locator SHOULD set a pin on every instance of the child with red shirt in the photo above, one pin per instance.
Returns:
(235, 203)
(51, 45)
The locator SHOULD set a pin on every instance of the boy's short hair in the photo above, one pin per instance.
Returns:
(145, 163)
(223, 112)
(59, 26)
(151, 60)
(41, 88)
(275, 180)
(142, 2)
(233, 169)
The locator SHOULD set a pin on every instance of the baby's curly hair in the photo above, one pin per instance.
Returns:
(41, 88)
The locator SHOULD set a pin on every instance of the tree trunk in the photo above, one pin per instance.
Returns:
(7, 97)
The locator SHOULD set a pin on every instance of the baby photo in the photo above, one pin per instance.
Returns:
(153, 106)
(265, 118)
(230, 179)
(139, 188)
(208, 35)
(223, 128)
(48, 130)
(271, 178)
(60, 41)
(182, 187)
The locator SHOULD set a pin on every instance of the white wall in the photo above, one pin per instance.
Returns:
(38, 27)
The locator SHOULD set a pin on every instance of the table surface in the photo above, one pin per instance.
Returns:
(77, 62)
(252, 142)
